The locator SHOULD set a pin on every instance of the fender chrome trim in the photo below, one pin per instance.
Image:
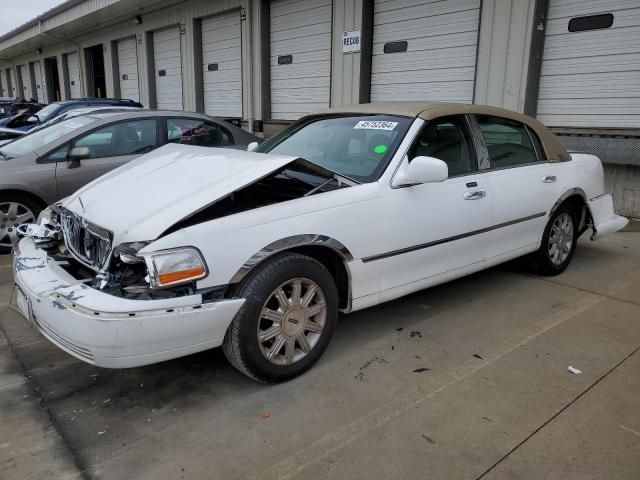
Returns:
(287, 243)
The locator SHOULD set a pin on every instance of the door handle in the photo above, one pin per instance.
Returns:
(475, 195)
(549, 179)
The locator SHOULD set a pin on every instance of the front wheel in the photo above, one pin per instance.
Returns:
(286, 321)
(15, 209)
(558, 243)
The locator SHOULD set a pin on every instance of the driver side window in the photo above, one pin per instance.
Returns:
(446, 139)
(124, 138)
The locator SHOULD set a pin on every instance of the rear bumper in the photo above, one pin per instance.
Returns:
(605, 221)
(109, 331)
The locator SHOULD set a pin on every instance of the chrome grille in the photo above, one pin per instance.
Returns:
(90, 244)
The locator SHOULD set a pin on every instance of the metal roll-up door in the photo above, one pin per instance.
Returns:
(424, 50)
(40, 85)
(25, 87)
(128, 69)
(590, 74)
(222, 65)
(300, 57)
(167, 59)
(73, 66)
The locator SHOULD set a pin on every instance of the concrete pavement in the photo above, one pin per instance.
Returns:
(467, 380)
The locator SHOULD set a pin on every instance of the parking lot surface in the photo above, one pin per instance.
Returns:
(468, 380)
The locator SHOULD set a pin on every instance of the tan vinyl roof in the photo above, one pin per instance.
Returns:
(431, 110)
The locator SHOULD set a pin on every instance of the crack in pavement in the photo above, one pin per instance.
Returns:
(559, 412)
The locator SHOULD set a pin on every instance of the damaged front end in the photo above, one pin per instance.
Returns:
(86, 252)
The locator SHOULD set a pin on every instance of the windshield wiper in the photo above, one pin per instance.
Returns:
(314, 190)
(3, 155)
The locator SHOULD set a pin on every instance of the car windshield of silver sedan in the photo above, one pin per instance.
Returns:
(36, 140)
(357, 147)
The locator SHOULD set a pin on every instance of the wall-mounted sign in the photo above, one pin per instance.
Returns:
(351, 42)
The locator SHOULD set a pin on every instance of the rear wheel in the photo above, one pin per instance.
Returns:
(286, 321)
(15, 209)
(558, 242)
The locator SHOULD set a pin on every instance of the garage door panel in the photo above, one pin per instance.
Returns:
(622, 19)
(591, 78)
(167, 57)
(302, 32)
(37, 70)
(296, 9)
(302, 29)
(577, 8)
(73, 66)
(587, 65)
(439, 62)
(222, 46)
(428, 28)
(128, 68)
(433, 14)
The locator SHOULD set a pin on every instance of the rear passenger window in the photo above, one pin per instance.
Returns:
(193, 131)
(446, 139)
(508, 142)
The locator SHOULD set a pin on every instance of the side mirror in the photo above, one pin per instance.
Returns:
(424, 170)
(76, 154)
(252, 146)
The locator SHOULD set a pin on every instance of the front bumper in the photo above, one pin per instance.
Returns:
(109, 331)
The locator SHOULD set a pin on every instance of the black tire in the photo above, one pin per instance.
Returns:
(542, 262)
(241, 346)
(25, 200)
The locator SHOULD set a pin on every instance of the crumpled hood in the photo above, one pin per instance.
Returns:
(143, 198)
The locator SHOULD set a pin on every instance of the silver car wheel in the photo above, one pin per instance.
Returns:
(560, 239)
(291, 321)
(13, 214)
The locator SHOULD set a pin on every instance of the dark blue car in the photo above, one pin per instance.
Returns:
(27, 121)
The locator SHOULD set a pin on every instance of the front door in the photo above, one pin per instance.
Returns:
(523, 184)
(436, 231)
(109, 147)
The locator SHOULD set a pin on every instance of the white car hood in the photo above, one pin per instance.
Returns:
(143, 198)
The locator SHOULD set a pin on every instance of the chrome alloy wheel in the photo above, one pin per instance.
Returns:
(13, 214)
(560, 239)
(291, 321)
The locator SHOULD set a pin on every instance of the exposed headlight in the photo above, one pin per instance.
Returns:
(46, 217)
(175, 267)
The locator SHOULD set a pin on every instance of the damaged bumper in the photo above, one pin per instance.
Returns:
(110, 331)
(605, 221)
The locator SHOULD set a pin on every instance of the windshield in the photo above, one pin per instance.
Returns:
(358, 147)
(36, 140)
(45, 113)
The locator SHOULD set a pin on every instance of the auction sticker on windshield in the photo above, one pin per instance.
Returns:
(375, 125)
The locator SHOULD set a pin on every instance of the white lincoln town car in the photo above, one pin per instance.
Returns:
(189, 248)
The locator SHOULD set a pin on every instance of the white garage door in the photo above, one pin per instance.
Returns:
(128, 69)
(424, 49)
(168, 68)
(222, 65)
(73, 65)
(24, 81)
(40, 85)
(300, 57)
(591, 64)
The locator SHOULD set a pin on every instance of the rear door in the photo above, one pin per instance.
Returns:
(196, 131)
(523, 184)
(110, 146)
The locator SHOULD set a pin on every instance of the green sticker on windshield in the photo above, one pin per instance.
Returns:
(380, 149)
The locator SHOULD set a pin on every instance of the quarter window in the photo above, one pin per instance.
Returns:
(446, 139)
(192, 131)
(125, 138)
(508, 142)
